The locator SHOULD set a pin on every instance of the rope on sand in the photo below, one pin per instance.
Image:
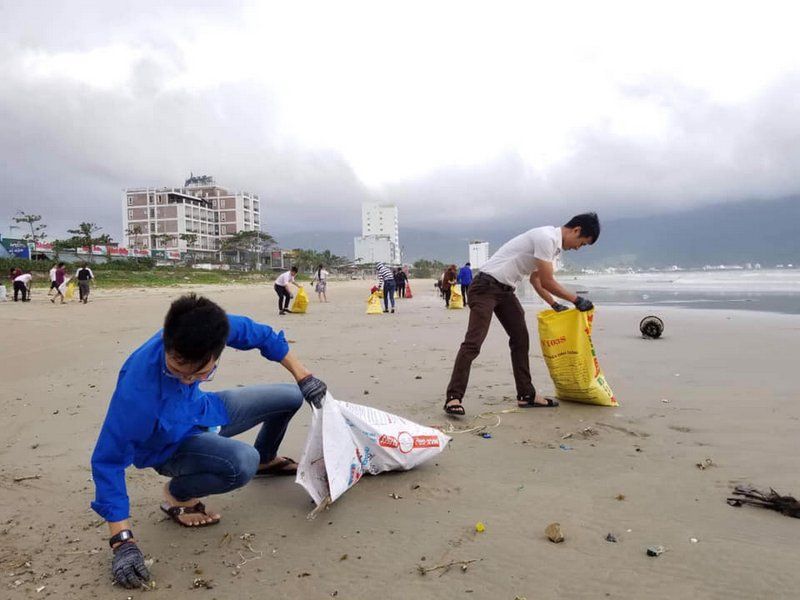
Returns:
(472, 428)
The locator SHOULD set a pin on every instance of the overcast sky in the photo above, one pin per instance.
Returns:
(461, 113)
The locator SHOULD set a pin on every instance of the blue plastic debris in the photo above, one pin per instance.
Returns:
(565, 447)
(486, 436)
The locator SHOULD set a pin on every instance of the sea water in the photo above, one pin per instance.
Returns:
(768, 290)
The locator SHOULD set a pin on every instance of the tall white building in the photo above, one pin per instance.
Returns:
(478, 253)
(380, 234)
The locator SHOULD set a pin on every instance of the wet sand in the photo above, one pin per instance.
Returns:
(728, 378)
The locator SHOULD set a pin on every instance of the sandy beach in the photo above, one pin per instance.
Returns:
(718, 386)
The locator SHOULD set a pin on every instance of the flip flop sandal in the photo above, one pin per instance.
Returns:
(528, 402)
(454, 409)
(175, 512)
(279, 468)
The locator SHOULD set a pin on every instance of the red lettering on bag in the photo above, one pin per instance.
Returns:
(555, 342)
(388, 441)
(426, 441)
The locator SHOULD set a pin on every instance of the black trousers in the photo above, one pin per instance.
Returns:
(489, 297)
(283, 297)
(19, 286)
(464, 290)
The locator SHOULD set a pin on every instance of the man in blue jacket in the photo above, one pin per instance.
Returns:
(465, 279)
(160, 418)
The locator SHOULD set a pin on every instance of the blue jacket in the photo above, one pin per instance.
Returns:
(150, 414)
(465, 276)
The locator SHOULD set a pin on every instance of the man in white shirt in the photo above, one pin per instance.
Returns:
(53, 285)
(282, 289)
(531, 254)
(22, 284)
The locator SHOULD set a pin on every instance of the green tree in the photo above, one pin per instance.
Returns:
(248, 244)
(425, 268)
(85, 235)
(135, 231)
(37, 232)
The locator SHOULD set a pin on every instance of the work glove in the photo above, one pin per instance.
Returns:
(558, 307)
(313, 390)
(582, 304)
(128, 566)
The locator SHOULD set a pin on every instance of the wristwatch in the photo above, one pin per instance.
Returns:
(122, 536)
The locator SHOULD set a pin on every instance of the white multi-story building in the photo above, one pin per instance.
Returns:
(478, 253)
(160, 218)
(380, 234)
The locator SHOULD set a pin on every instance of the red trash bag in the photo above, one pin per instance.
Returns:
(408, 290)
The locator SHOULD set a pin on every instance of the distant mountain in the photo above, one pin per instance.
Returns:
(766, 232)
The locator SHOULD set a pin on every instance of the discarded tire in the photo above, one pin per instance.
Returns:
(651, 327)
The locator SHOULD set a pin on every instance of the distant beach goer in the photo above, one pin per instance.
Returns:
(400, 279)
(448, 281)
(84, 275)
(386, 283)
(52, 274)
(532, 255)
(22, 285)
(282, 289)
(159, 417)
(465, 280)
(321, 277)
(60, 276)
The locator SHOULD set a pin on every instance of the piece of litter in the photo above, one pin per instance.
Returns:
(480, 527)
(565, 447)
(665, 401)
(693, 540)
(611, 538)
(655, 551)
(705, 464)
(486, 436)
(395, 496)
(554, 533)
(40, 588)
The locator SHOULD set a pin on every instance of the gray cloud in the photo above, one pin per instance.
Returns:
(67, 149)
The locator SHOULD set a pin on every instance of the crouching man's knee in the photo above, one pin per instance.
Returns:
(244, 464)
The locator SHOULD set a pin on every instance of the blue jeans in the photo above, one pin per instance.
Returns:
(388, 293)
(213, 463)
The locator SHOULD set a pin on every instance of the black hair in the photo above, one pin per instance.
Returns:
(589, 224)
(467, 264)
(293, 269)
(61, 264)
(195, 329)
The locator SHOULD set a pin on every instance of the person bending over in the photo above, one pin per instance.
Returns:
(531, 254)
(160, 418)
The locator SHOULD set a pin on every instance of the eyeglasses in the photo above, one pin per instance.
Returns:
(192, 378)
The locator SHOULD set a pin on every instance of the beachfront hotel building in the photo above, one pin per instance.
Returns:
(156, 218)
(478, 253)
(380, 235)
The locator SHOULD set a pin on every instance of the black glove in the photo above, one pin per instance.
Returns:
(313, 390)
(582, 304)
(128, 566)
(558, 307)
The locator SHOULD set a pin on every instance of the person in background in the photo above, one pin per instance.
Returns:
(52, 274)
(160, 418)
(84, 275)
(282, 289)
(400, 278)
(60, 276)
(449, 278)
(465, 279)
(321, 277)
(22, 285)
(386, 283)
(532, 255)
(14, 272)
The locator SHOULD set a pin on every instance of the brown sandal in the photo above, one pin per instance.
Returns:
(279, 468)
(175, 512)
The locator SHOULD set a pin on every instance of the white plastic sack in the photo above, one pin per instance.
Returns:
(347, 440)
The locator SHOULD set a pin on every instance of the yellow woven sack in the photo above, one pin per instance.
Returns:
(374, 304)
(69, 294)
(300, 303)
(566, 339)
(456, 299)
